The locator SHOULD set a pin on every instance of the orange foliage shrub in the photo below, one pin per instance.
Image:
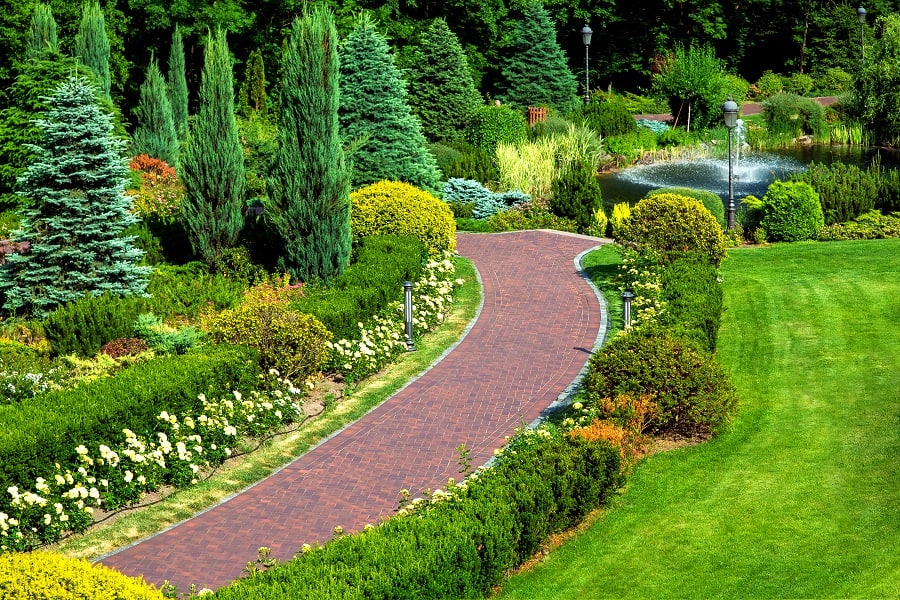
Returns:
(161, 191)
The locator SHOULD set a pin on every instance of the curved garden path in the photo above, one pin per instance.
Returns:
(534, 333)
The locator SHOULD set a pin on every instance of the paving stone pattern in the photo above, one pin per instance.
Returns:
(533, 336)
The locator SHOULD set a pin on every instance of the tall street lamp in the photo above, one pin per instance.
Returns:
(586, 33)
(730, 112)
(861, 15)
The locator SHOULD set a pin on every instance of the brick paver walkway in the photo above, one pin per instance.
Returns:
(534, 334)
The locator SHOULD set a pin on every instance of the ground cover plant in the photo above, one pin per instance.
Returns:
(796, 500)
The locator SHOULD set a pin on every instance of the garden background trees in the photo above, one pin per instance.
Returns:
(176, 82)
(212, 165)
(309, 201)
(878, 89)
(155, 133)
(77, 214)
(385, 138)
(92, 44)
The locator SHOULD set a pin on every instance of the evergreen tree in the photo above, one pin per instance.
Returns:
(177, 85)
(441, 91)
(309, 187)
(212, 163)
(92, 44)
(253, 90)
(155, 133)
(576, 194)
(77, 214)
(42, 33)
(386, 138)
(534, 68)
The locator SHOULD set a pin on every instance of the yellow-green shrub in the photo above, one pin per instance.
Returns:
(620, 214)
(395, 207)
(295, 343)
(49, 576)
(672, 224)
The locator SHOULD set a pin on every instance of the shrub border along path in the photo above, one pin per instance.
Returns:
(538, 324)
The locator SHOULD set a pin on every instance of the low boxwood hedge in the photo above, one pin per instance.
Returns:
(40, 432)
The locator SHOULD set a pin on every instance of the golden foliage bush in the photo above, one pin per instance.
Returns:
(394, 207)
(50, 576)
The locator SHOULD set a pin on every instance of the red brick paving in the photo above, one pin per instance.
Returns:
(536, 328)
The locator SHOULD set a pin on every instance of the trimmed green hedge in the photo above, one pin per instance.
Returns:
(462, 545)
(367, 286)
(46, 430)
(693, 297)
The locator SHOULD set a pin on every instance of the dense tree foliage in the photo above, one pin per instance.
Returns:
(176, 82)
(309, 189)
(212, 164)
(155, 133)
(42, 32)
(77, 214)
(92, 44)
(692, 80)
(878, 90)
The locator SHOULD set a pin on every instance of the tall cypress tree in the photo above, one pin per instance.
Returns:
(77, 213)
(155, 132)
(534, 68)
(41, 33)
(177, 85)
(375, 117)
(212, 164)
(309, 188)
(253, 90)
(441, 91)
(92, 44)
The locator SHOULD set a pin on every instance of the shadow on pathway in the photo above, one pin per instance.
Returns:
(531, 339)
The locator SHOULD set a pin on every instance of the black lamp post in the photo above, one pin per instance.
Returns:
(586, 33)
(730, 112)
(408, 316)
(861, 15)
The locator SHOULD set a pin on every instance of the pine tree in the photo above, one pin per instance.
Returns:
(42, 33)
(77, 213)
(212, 162)
(534, 68)
(375, 118)
(155, 132)
(177, 85)
(253, 90)
(92, 44)
(309, 187)
(441, 91)
(576, 193)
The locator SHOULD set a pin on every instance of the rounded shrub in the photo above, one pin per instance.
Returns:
(769, 84)
(492, 125)
(792, 115)
(394, 207)
(672, 224)
(791, 212)
(607, 117)
(710, 200)
(50, 576)
(692, 392)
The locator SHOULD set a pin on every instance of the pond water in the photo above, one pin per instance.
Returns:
(754, 171)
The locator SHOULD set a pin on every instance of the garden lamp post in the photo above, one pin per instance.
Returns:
(586, 33)
(627, 297)
(408, 316)
(861, 15)
(730, 112)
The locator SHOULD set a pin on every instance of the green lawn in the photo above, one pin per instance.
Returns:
(802, 498)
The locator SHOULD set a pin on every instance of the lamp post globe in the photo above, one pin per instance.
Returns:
(586, 33)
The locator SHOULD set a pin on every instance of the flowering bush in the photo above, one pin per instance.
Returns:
(640, 274)
(383, 337)
(116, 473)
(161, 191)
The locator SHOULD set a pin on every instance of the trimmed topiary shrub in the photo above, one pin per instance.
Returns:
(394, 207)
(492, 125)
(51, 576)
(670, 225)
(710, 200)
(693, 299)
(791, 212)
(845, 191)
(693, 393)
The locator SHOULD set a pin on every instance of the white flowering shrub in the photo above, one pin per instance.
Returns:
(117, 473)
(640, 274)
(383, 337)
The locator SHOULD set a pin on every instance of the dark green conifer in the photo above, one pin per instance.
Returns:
(77, 212)
(92, 44)
(309, 189)
(212, 163)
(385, 137)
(42, 33)
(253, 90)
(441, 91)
(576, 193)
(155, 133)
(534, 67)
(177, 85)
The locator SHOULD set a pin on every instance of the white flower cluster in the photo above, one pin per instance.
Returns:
(639, 273)
(383, 337)
(111, 478)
